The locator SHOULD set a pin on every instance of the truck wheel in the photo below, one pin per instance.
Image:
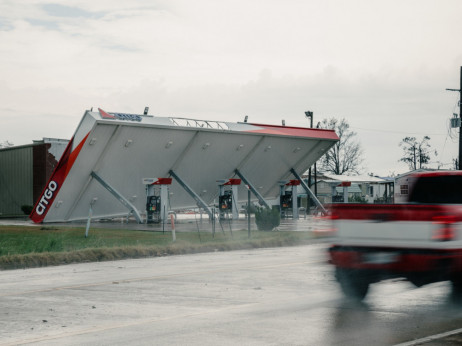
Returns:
(352, 283)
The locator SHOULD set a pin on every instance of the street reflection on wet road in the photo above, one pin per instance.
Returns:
(396, 312)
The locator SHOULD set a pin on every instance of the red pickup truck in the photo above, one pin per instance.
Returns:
(420, 241)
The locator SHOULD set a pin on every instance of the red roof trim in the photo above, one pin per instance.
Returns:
(56, 180)
(295, 131)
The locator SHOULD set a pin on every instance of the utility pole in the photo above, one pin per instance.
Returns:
(460, 118)
(309, 114)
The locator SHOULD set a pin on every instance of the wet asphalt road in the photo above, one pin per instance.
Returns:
(279, 296)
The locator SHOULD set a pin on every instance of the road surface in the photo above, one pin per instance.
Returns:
(278, 296)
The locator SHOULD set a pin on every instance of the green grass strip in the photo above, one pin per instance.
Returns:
(28, 247)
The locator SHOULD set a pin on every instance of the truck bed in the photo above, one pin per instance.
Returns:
(398, 225)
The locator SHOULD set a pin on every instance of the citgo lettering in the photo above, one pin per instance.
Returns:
(124, 116)
(47, 195)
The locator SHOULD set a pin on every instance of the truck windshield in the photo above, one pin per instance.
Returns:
(437, 190)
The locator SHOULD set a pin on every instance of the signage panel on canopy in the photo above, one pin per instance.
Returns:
(123, 149)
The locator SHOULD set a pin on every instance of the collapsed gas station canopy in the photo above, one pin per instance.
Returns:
(110, 154)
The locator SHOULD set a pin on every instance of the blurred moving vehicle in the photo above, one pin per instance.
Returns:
(420, 241)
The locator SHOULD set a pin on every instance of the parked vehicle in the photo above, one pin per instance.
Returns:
(420, 241)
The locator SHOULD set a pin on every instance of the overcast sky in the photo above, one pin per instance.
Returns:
(382, 65)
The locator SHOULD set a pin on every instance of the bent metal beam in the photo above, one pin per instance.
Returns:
(191, 192)
(119, 197)
(308, 191)
(260, 198)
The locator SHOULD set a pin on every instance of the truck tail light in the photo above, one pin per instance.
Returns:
(444, 230)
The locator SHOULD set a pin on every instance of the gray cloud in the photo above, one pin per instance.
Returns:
(5, 24)
(47, 24)
(57, 10)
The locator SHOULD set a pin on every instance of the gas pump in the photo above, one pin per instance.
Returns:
(227, 198)
(153, 209)
(288, 198)
(156, 199)
(286, 204)
(226, 201)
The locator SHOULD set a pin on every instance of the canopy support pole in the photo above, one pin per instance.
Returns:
(194, 195)
(117, 195)
(261, 200)
(90, 214)
(308, 191)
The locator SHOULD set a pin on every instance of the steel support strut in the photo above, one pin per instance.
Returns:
(308, 191)
(261, 200)
(191, 192)
(117, 195)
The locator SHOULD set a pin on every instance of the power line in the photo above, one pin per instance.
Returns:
(399, 132)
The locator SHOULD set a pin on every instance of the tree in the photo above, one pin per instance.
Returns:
(346, 155)
(6, 144)
(416, 154)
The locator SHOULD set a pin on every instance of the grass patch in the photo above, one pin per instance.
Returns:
(26, 247)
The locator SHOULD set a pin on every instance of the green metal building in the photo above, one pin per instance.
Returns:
(24, 172)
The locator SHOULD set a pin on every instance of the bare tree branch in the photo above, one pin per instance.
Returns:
(346, 155)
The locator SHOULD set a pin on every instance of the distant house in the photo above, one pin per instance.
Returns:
(404, 182)
(363, 188)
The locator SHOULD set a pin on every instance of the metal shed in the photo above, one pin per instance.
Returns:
(24, 171)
